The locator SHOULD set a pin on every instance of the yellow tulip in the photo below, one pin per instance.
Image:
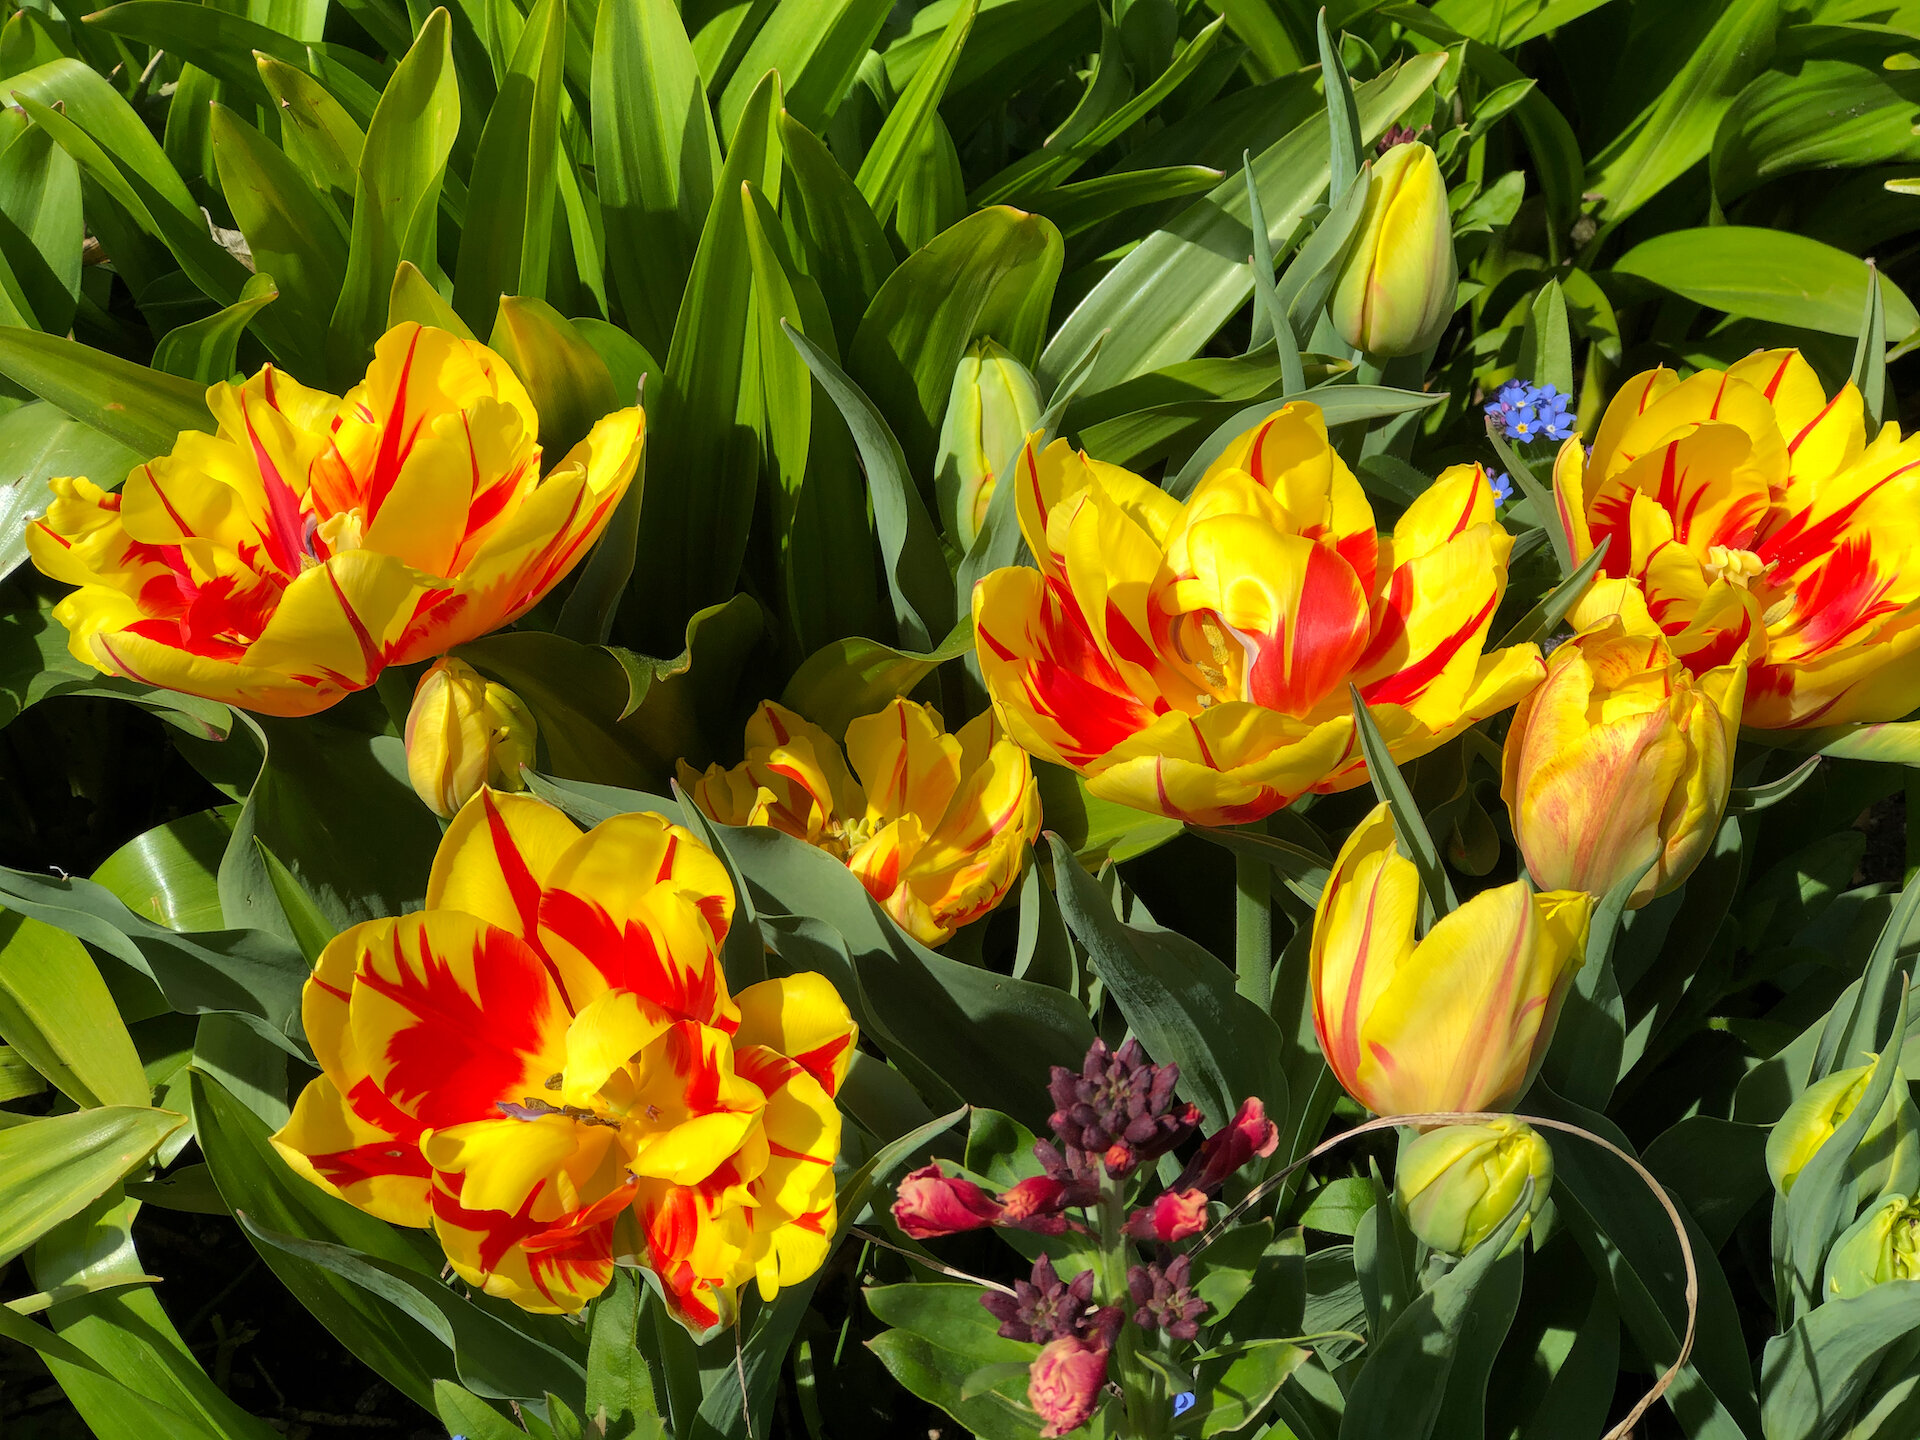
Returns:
(1395, 292)
(938, 833)
(546, 1066)
(1194, 659)
(1749, 515)
(1457, 1184)
(1457, 1019)
(1888, 1155)
(1883, 1245)
(1619, 760)
(992, 409)
(287, 559)
(465, 731)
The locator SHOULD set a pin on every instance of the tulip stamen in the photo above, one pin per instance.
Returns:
(1735, 566)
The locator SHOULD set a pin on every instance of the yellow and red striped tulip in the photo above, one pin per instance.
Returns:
(1749, 515)
(287, 559)
(1455, 1020)
(550, 1046)
(938, 832)
(1194, 659)
(1621, 760)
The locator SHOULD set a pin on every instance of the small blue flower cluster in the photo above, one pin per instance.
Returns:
(1531, 412)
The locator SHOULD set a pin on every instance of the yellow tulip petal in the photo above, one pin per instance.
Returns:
(802, 1017)
(327, 1143)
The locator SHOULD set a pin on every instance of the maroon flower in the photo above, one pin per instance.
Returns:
(1173, 1215)
(1163, 1299)
(1064, 1384)
(1223, 1153)
(1042, 1309)
(1036, 1202)
(932, 1204)
(1119, 1108)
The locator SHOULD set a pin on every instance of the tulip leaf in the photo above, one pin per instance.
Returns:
(1870, 355)
(397, 190)
(42, 230)
(1583, 1061)
(414, 298)
(621, 1392)
(1542, 500)
(1179, 1001)
(54, 1167)
(1340, 404)
(1302, 292)
(1304, 871)
(59, 1017)
(504, 244)
(204, 351)
(884, 170)
(145, 410)
(1270, 319)
(1410, 828)
(1814, 1375)
(1541, 621)
(849, 678)
(569, 383)
(1844, 1042)
(817, 46)
(846, 250)
(1077, 207)
(1174, 290)
(1751, 799)
(1343, 118)
(923, 604)
(316, 132)
(467, 1415)
(656, 159)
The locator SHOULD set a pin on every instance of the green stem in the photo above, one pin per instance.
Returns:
(1253, 927)
(1144, 1407)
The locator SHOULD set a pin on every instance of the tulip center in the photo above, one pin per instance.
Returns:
(1736, 567)
(346, 530)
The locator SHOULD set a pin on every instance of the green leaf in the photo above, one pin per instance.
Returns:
(413, 297)
(397, 191)
(620, 1385)
(942, 1338)
(570, 384)
(993, 275)
(503, 247)
(1541, 621)
(840, 682)
(1340, 404)
(1816, 114)
(1232, 1388)
(58, 1015)
(1769, 275)
(817, 46)
(142, 409)
(1546, 347)
(1179, 1001)
(1173, 291)
(1870, 354)
(467, 1414)
(316, 132)
(1410, 827)
(1343, 119)
(53, 1168)
(1097, 830)
(923, 602)
(1084, 204)
(1813, 1376)
(846, 250)
(44, 228)
(204, 350)
(885, 168)
(656, 159)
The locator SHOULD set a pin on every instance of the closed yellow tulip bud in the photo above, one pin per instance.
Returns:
(1882, 1245)
(1458, 1019)
(464, 731)
(1459, 1183)
(1396, 288)
(994, 406)
(1619, 760)
(1888, 1156)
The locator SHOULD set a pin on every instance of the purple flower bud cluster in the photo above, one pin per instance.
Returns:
(1118, 1109)
(1043, 1309)
(1163, 1298)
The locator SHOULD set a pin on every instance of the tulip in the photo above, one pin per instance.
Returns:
(1456, 1020)
(465, 731)
(1882, 1245)
(1887, 1158)
(1395, 291)
(1064, 1384)
(545, 1065)
(940, 830)
(992, 409)
(311, 541)
(1458, 1184)
(1749, 515)
(1619, 761)
(1194, 659)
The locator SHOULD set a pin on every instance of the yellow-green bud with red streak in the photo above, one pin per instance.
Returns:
(1458, 1184)
(993, 407)
(465, 731)
(1396, 288)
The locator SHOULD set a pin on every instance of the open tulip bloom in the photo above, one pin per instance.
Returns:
(1751, 517)
(1193, 659)
(545, 1065)
(312, 541)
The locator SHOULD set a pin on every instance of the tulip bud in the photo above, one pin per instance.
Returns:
(1619, 760)
(1887, 1159)
(1882, 1245)
(1458, 1184)
(1064, 1384)
(1396, 288)
(464, 731)
(993, 407)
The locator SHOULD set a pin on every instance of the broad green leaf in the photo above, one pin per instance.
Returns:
(397, 192)
(941, 1339)
(846, 250)
(53, 1168)
(885, 167)
(1769, 275)
(1179, 1000)
(656, 159)
(817, 46)
(1822, 113)
(1676, 132)
(204, 351)
(993, 275)
(316, 132)
(620, 1385)
(140, 408)
(43, 229)
(1173, 291)
(1546, 346)
(219, 42)
(1505, 24)
(570, 384)
(58, 1015)
(504, 245)
(1234, 1387)
(466, 1414)
(40, 442)
(853, 677)
(1012, 42)
(1097, 830)
(1813, 1376)
(1084, 204)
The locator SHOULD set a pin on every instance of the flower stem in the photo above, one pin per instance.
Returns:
(1253, 927)
(1145, 1408)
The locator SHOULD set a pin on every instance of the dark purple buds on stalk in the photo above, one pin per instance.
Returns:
(1163, 1299)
